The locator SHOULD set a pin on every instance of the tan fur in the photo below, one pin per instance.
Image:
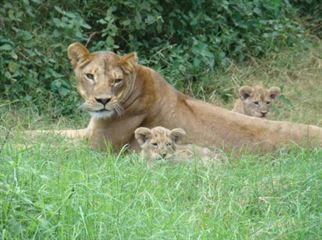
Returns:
(143, 98)
(161, 143)
(256, 101)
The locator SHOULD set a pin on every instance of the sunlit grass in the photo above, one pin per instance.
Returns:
(54, 190)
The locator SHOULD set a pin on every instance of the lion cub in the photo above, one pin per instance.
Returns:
(256, 101)
(161, 143)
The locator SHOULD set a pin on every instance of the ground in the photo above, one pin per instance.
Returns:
(53, 189)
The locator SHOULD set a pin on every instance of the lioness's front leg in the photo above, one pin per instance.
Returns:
(74, 134)
(77, 133)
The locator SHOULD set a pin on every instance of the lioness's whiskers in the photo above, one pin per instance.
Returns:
(83, 106)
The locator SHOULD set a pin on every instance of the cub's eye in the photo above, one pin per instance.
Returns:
(118, 81)
(155, 144)
(89, 76)
(268, 102)
(256, 102)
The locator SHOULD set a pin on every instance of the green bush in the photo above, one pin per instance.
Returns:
(185, 40)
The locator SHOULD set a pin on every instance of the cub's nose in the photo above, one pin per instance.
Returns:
(263, 113)
(163, 155)
(103, 100)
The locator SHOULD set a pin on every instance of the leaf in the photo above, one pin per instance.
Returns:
(13, 67)
(63, 91)
(126, 22)
(6, 47)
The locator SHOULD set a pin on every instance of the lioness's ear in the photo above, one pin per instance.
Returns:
(128, 62)
(76, 51)
(177, 134)
(274, 92)
(142, 134)
(245, 92)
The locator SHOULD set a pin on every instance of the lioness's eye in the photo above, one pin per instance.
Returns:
(118, 80)
(155, 144)
(268, 102)
(256, 103)
(90, 76)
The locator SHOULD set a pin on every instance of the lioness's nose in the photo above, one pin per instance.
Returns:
(103, 100)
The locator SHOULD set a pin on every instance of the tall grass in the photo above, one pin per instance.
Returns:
(54, 190)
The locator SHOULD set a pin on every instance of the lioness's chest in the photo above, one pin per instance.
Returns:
(117, 132)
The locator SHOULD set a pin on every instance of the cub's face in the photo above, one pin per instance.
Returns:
(158, 143)
(104, 79)
(258, 100)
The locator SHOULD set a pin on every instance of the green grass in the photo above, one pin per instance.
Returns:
(54, 189)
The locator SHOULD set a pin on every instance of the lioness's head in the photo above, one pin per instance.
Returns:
(258, 100)
(104, 79)
(159, 142)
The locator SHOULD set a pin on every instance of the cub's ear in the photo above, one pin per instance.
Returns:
(245, 92)
(76, 51)
(177, 134)
(142, 134)
(128, 62)
(274, 92)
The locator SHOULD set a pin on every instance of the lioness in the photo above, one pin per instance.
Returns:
(162, 143)
(122, 95)
(256, 101)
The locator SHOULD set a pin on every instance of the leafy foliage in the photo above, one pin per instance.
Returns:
(186, 40)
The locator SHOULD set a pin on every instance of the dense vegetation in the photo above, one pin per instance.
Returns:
(186, 40)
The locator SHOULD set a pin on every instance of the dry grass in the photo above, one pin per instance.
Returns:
(298, 72)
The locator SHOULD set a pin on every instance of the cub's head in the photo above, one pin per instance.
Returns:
(257, 100)
(104, 79)
(159, 142)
